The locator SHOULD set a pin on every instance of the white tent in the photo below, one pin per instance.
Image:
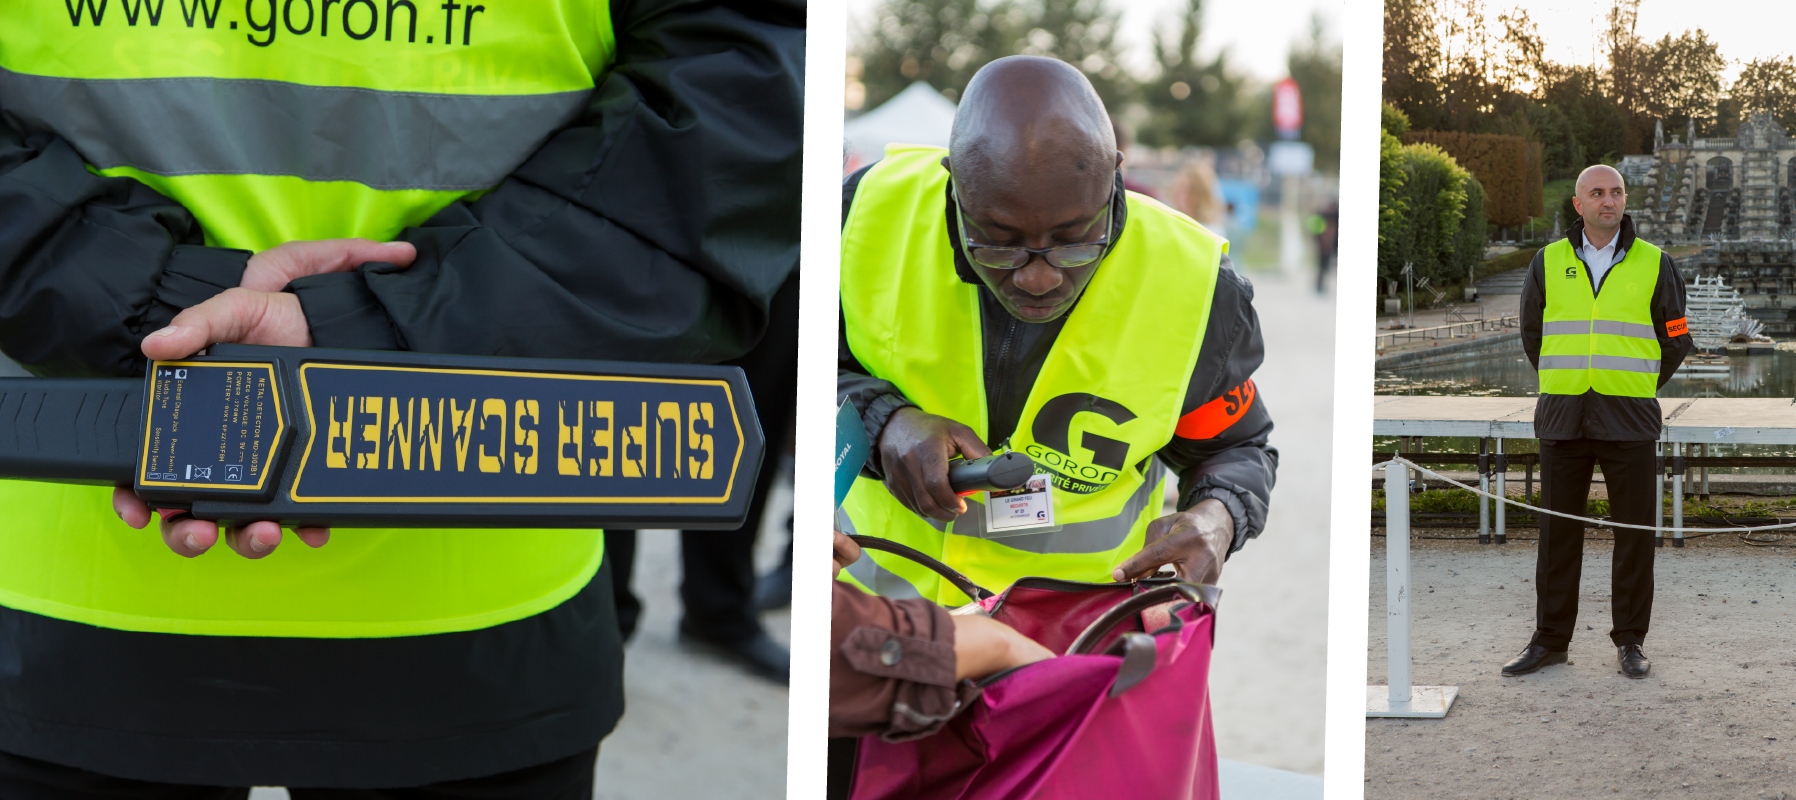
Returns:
(917, 115)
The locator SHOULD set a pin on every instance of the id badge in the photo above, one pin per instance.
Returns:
(1025, 509)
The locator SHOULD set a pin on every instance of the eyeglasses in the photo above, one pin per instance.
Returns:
(1065, 256)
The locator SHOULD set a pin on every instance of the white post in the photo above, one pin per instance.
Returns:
(1401, 698)
(1483, 485)
(1658, 497)
(1677, 497)
(1502, 507)
(1396, 590)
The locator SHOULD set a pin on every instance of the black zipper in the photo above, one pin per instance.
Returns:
(997, 393)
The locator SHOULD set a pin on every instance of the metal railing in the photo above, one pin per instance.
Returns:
(1450, 331)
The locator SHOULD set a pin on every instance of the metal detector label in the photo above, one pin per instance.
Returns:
(420, 435)
(210, 425)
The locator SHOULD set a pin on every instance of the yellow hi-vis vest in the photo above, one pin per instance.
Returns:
(1108, 397)
(1604, 341)
(276, 120)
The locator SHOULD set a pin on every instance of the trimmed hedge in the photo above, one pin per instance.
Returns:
(1508, 167)
(1430, 214)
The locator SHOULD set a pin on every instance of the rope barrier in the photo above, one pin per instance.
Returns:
(1609, 523)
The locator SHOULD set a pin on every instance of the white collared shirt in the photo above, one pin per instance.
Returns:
(1600, 259)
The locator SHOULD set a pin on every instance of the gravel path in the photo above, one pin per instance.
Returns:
(1716, 718)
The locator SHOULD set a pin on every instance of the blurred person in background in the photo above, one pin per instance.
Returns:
(1195, 192)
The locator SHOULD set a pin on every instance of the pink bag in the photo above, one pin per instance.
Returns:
(1125, 713)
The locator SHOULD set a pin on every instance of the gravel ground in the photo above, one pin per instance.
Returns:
(1716, 718)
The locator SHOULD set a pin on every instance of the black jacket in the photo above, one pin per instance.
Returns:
(1599, 416)
(657, 226)
(1238, 466)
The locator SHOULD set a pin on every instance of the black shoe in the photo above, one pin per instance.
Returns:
(1633, 662)
(1532, 659)
(774, 590)
(761, 655)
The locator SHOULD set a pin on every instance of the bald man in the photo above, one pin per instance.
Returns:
(1010, 293)
(1603, 323)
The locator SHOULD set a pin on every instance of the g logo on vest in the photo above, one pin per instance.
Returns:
(1052, 431)
(1571, 272)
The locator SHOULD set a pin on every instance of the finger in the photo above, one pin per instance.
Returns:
(189, 537)
(936, 496)
(313, 537)
(228, 316)
(846, 550)
(134, 511)
(967, 442)
(1146, 562)
(254, 540)
(272, 269)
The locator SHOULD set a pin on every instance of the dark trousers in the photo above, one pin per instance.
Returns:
(24, 778)
(1565, 470)
(717, 582)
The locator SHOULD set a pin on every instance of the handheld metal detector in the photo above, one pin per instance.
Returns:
(362, 438)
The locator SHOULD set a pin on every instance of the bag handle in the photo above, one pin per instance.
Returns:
(949, 574)
(1103, 625)
(1139, 653)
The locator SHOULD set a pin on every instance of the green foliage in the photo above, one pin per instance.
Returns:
(1316, 66)
(1188, 100)
(1501, 163)
(1424, 201)
(1392, 120)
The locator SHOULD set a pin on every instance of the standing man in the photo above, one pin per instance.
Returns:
(519, 179)
(1603, 323)
(1009, 291)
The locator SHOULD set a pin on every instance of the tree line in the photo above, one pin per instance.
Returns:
(1448, 68)
(1185, 100)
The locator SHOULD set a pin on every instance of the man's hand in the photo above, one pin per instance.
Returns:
(257, 312)
(272, 269)
(846, 553)
(914, 450)
(1195, 541)
(984, 646)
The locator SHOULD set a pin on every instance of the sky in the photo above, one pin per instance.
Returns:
(1272, 26)
(1744, 28)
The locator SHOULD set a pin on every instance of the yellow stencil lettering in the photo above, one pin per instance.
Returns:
(664, 414)
(368, 457)
(430, 433)
(523, 453)
(698, 441)
(636, 444)
(568, 438)
(336, 454)
(398, 440)
(464, 432)
(492, 408)
(599, 462)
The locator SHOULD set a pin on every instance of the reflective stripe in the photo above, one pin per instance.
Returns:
(1564, 362)
(1625, 364)
(882, 581)
(1633, 330)
(1611, 327)
(1092, 536)
(218, 126)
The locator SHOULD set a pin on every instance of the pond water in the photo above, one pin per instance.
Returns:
(1509, 375)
